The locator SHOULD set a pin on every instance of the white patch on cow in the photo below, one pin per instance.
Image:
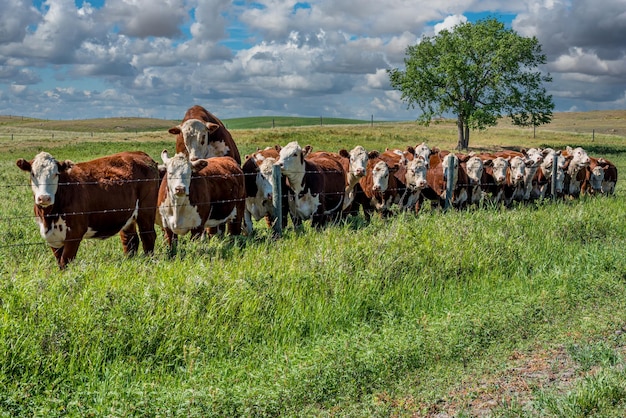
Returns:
(44, 179)
(306, 205)
(216, 222)
(291, 162)
(133, 217)
(218, 149)
(56, 234)
(90, 233)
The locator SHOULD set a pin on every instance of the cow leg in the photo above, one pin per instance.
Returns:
(234, 226)
(130, 240)
(147, 234)
(67, 253)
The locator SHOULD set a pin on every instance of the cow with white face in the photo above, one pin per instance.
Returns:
(316, 184)
(202, 135)
(543, 177)
(424, 151)
(416, 181)
(259, 190)
(514, 189)
(199, 194)
(474, 169)
(494, 175)
(94, 199)
(576, 165)
(378, 188)
(534, 158)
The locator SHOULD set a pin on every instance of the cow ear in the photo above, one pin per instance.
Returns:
(344, 153)
(307, 150)
(162, 170)
(65, 165)
(23, 165)
(488, 163)
(435, 150)
(175, 130)
(212, 127)
(198, 165)
(394, 168)
(373, 154)
(277, 147)
(410, 149)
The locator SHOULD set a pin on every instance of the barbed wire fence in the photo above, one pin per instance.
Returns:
(278, 197)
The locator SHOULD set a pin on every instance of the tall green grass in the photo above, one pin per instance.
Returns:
(358, 319)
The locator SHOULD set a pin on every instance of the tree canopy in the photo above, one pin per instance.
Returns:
(479, 71)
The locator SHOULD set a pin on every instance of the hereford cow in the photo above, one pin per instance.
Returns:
(258, 173)
(199, 194)
(542, 183)
(576, 165)
(416, 180)
(493, 179)
(472, 167)
(437, 178)
(601, 176)
(316, 185)
(378, 188)
(94, 199)
(202, 135)
(354, 163)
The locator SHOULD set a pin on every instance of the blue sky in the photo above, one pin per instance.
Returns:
(64, 59)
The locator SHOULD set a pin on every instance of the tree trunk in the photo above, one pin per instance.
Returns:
(464, 133)
(460, 125)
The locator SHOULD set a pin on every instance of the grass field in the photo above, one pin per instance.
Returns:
(484, 312)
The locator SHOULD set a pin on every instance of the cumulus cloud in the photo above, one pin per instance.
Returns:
(275, 56)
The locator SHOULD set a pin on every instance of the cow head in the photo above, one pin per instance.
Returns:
(357, 158)
(44, 176)
(416, 173)
(596, 177)
(195, 135)
(291, 159)
(474, 168)
(265, 181)
(423, 150)
(450, 162)
(380, 177)
(535, 155)
(579, 159)
(548, 164)
(178, 171)
(517, 170)
(500, 167)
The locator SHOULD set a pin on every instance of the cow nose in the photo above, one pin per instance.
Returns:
(180, 190)
(44, 200)
(376, 188)
(360, 172)
(422, 183)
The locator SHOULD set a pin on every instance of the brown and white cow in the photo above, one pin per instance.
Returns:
(473, 168)
(354, 163)
(94, 199)
(316, 185)
(378, 189)
(199, 194)
(437, 178)
(542, 182)
(601, 177)
(202, 135)
(494, 176)
(576, 165)
(416, 180)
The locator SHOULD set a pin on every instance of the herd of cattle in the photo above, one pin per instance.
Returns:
(205, 188)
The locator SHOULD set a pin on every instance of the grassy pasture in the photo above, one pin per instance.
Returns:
(486, 312)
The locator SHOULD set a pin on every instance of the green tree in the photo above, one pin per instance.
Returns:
(481, 72)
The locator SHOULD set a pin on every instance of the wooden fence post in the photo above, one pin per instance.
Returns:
(449, 174)
(277, 194)
(555, 165)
